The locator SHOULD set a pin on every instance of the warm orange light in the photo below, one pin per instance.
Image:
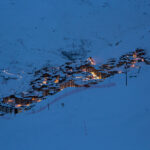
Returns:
(33, 98)
(92, 61)
(84, 69)
(38, 100)
(10, 101)
(18, 105)
(134, 55)
(95, 76)
(142, 60)
(44, 82)
(57, 80)
(132, 66)
(99, 77)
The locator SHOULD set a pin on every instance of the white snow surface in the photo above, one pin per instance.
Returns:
(33, 34)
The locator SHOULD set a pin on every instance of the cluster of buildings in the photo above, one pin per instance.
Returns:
(49, 81)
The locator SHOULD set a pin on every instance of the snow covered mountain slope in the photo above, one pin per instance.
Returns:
(35, 33)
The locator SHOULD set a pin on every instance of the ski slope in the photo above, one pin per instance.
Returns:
(36, 33)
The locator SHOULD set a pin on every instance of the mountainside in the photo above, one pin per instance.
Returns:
(74, 74)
